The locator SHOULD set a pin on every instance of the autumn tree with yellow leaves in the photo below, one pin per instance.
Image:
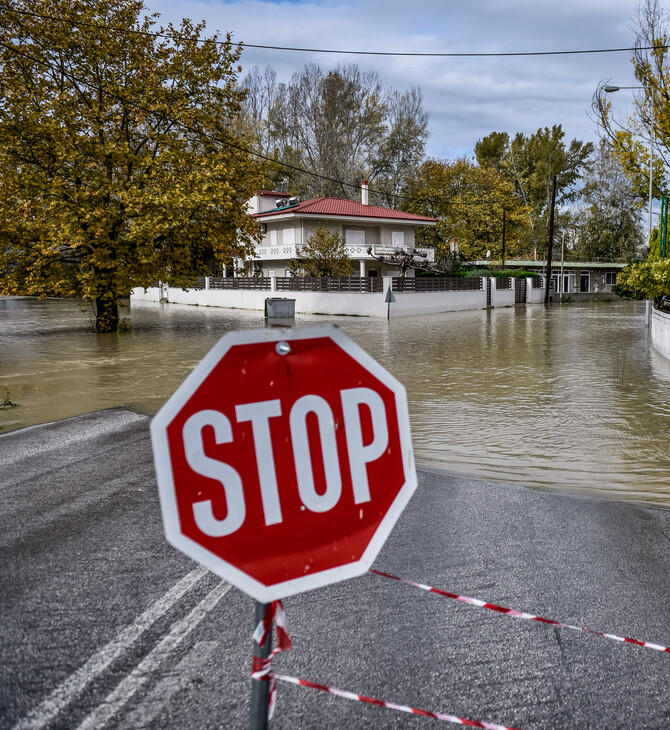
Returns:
(629, 138)
(121, 160)
(475, 206)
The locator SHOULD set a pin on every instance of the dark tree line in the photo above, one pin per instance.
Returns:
(343, 125)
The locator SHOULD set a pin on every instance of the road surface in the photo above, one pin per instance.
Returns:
(104, 625)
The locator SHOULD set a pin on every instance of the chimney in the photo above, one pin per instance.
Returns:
(364, 192)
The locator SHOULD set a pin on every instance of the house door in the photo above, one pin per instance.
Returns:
(585, 281)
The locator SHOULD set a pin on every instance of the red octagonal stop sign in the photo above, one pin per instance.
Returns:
(284, 460)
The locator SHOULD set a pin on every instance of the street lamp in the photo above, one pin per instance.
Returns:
(610, 89)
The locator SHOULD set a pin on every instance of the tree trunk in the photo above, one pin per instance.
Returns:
(106, 315)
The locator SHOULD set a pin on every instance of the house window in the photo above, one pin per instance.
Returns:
(398, 238)
(610, 278)
(273, 237)
(354, 237)
(289, 236)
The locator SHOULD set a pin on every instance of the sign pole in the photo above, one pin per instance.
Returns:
(260, 689)
(389, 298)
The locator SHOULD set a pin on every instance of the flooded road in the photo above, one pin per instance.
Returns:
(572, 397)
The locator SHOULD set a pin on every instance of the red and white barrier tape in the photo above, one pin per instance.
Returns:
(520, 614)
(262, 668)
(391, 705)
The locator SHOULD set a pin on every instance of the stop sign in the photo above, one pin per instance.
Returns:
(284, 460)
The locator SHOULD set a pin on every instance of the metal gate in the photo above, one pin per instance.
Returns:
(519, 291)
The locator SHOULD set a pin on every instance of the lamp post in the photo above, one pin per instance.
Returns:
(561, 288)
(610, 89)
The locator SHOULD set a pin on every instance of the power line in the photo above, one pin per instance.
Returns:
(342, 51)
(500, 54)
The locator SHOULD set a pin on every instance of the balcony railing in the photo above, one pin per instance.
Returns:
(292, 251)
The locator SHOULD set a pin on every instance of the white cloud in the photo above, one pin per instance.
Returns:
(467, 97)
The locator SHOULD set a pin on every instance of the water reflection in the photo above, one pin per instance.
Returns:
(571, 397)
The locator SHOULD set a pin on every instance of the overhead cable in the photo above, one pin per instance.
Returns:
(343, 51)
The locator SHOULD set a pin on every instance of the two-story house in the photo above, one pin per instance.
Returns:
(288, 223)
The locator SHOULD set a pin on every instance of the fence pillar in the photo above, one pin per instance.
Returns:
(273, 283)
(207, 278)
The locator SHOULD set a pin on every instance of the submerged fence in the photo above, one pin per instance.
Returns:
(229, 282)
(330, 283)
(347, 283)
(436, 283)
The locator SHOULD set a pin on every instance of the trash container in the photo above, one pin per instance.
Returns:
(280, 307)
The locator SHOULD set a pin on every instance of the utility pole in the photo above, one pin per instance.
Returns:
(551, 240)
(503, 240)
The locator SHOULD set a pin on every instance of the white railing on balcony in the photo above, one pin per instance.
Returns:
(291, 251)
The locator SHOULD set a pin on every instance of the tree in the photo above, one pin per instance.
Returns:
(609, 225)
(120, 160)
(402, 258)
(492, 150)
(652, 71)
(473, 205)
(342, 125)
(530, 164)
(324, 254)
(644, 280)
(402, 151)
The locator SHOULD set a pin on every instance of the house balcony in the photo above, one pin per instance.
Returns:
(292, 251)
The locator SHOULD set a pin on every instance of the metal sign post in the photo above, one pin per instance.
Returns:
(389, 299)
(260, 690)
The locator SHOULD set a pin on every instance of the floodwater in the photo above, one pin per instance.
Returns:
(571, 397)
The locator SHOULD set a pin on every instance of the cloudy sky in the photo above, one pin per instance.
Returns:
(467, 97)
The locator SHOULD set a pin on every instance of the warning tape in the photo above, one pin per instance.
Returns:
(521, 614)
(391, 705)
(262, 668)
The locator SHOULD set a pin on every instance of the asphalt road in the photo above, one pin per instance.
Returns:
(103, 624)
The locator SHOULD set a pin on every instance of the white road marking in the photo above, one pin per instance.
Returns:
(150, 707)
(75, 684)
(144, 670)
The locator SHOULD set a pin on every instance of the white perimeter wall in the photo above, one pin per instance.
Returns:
(351, 303)
(660, 332)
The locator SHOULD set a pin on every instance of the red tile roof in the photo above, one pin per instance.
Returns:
(339, 206)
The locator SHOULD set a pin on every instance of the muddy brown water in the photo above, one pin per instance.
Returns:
(572, 397)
